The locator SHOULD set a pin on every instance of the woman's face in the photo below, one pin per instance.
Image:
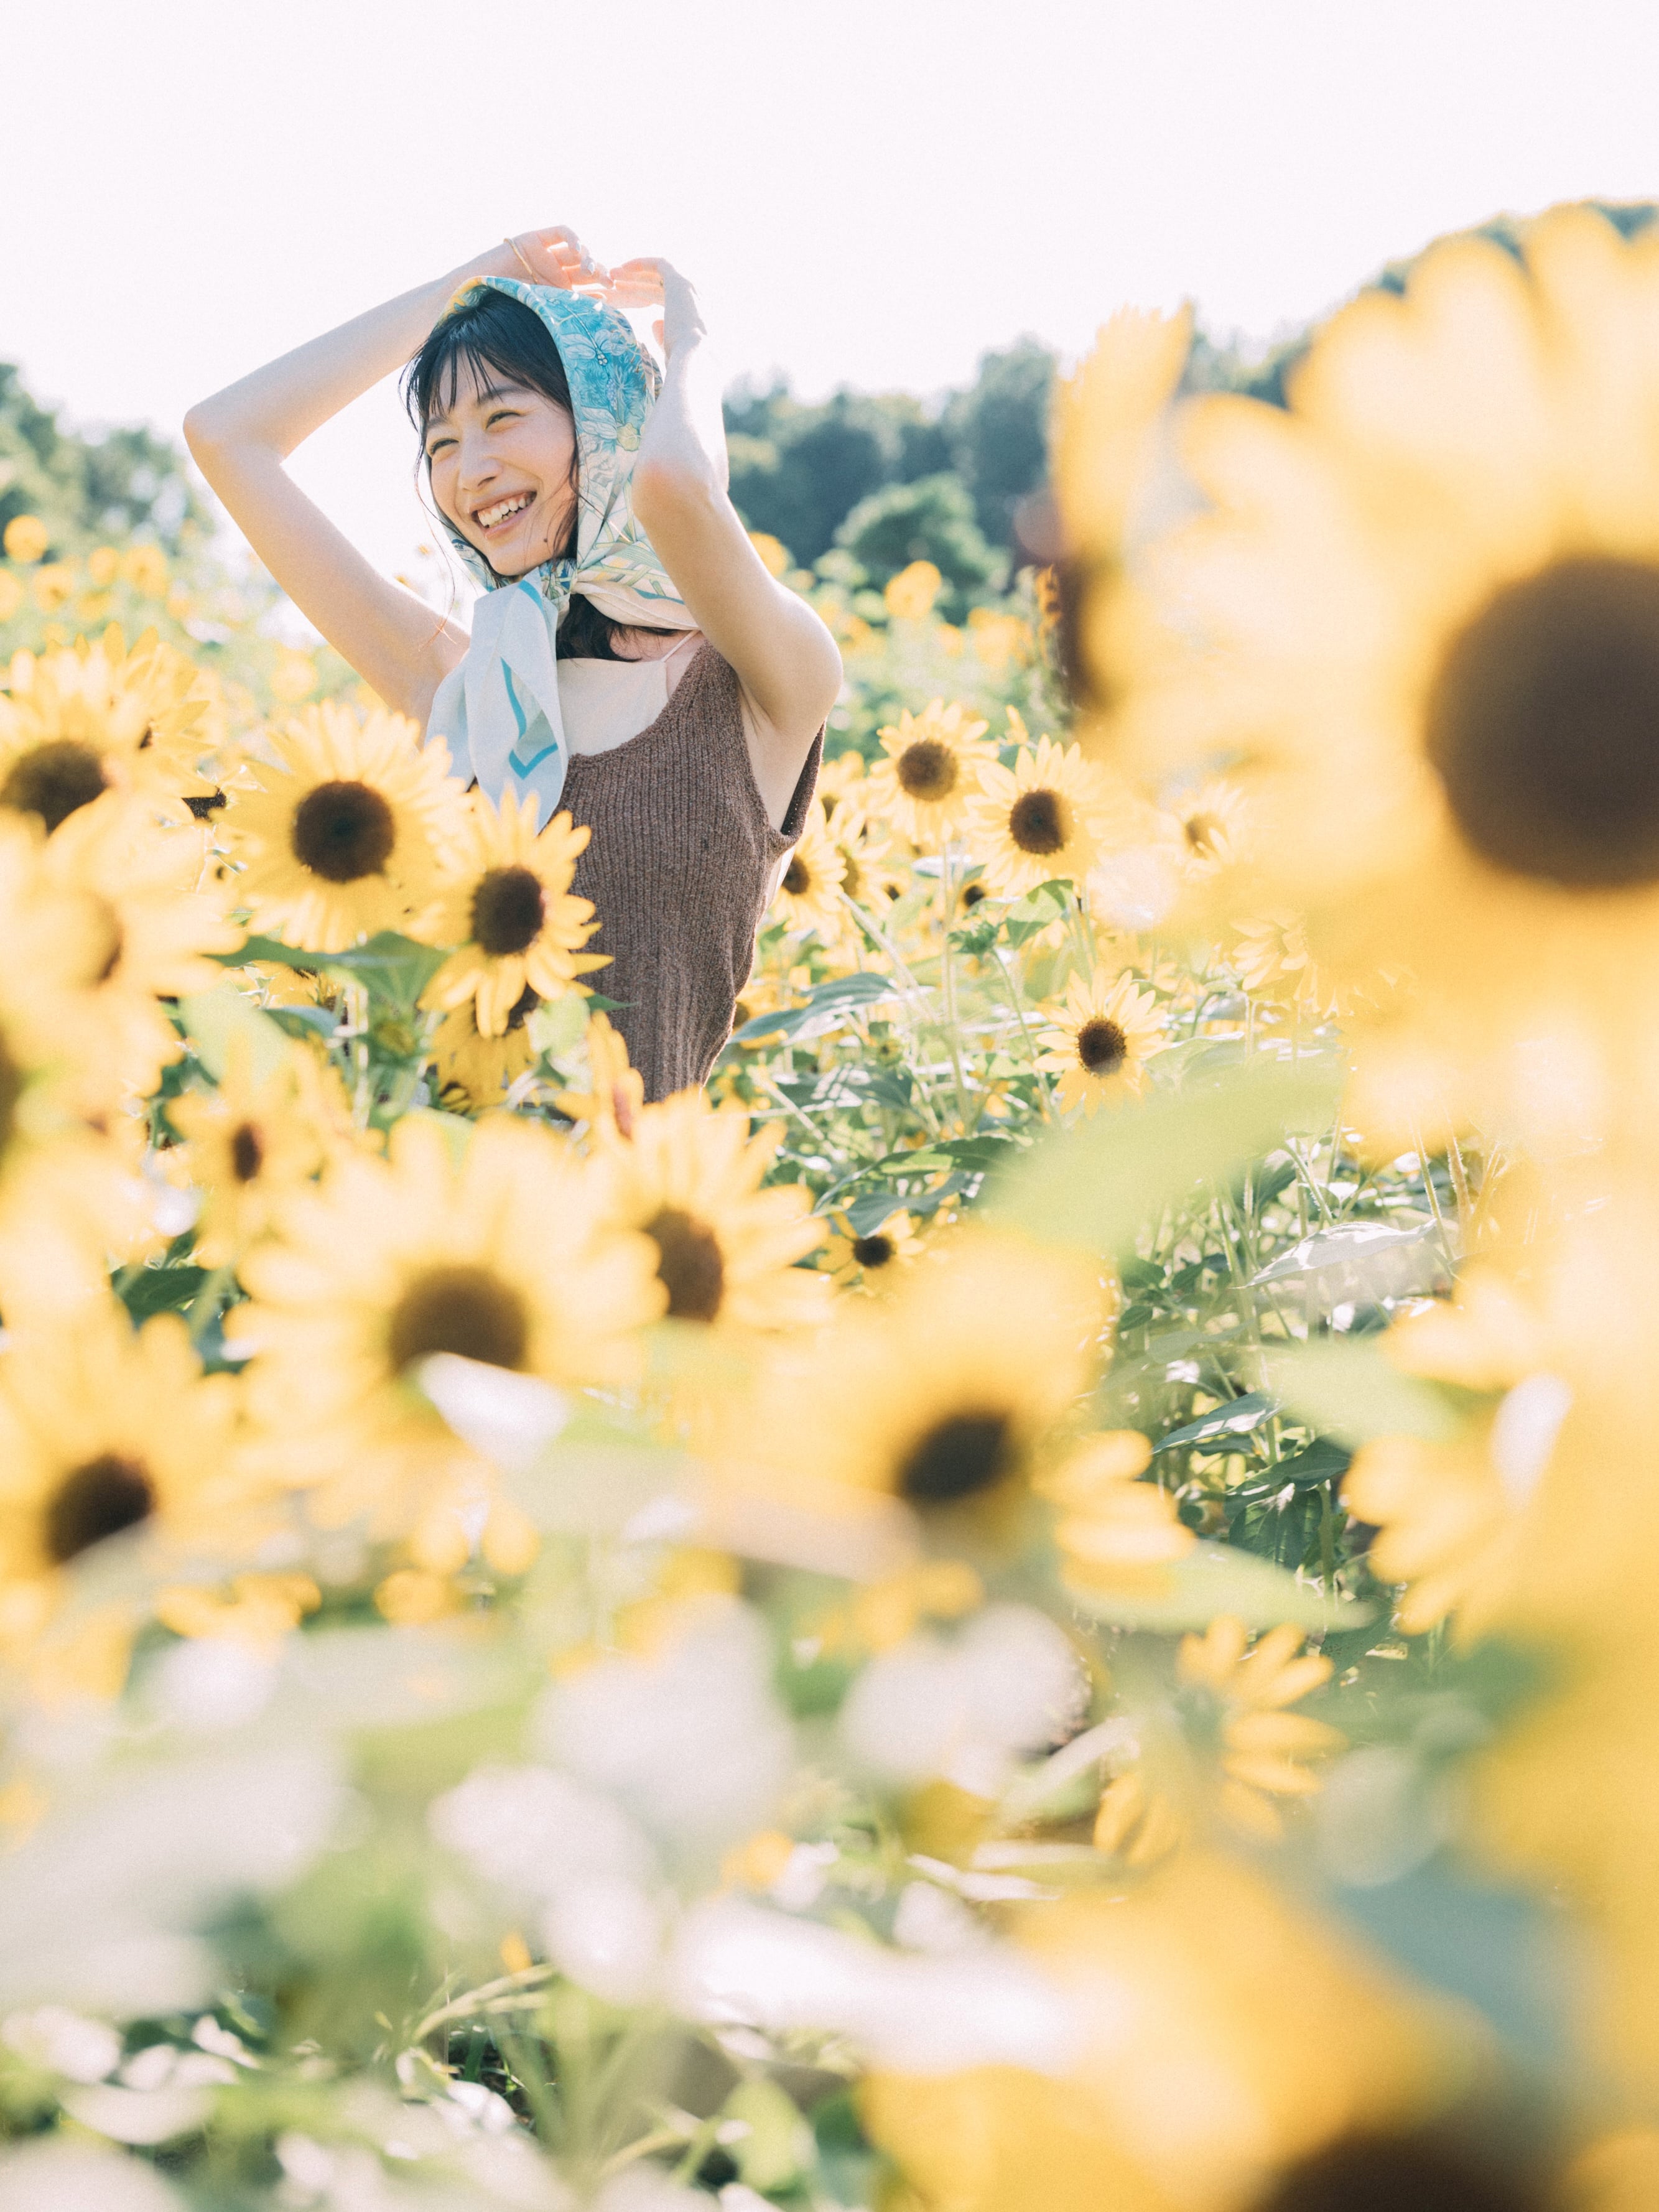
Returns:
(500, 458)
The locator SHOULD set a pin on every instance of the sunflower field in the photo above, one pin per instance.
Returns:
(1035, 1602)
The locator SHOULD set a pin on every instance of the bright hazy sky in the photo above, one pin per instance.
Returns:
(867, 192)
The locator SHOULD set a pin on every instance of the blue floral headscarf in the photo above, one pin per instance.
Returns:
(499, 710)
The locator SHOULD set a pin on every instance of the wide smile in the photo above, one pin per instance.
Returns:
(497, 519)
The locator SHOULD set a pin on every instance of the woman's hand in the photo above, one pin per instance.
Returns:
(556, 257)
(650, 282)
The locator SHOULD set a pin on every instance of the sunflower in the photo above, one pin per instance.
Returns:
(840, 783)
(808, 892)
(346, 833)
(1106, 424)
(868, 876)
(1099, 1043)
(1114, 1532)
(1045, 817)
(872, 1259)
(72, 1199)
(506, 903)
(689, 1177)
(1447, 1510)
(127, 927)
(1263, 1749)
(948, 1395)
(251, 1141)
(1208, 825)
(924, 785)
(1186, 2040)
(1274, 963)
(615, 1097)
(92, 718)
(107, 1429)
(476, 1070)
(498, 1257)
(1425, 608)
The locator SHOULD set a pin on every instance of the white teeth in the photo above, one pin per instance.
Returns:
(490, 516)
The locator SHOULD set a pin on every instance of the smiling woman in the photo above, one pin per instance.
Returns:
(632, 660)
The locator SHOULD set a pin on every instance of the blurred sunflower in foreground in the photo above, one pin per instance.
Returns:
(93, 717)
(1419, 614)
(1212, 2033)
(107, 1429)
(1447, 1507)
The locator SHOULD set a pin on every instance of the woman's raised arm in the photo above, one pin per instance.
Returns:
(241, 437)
(784, 658)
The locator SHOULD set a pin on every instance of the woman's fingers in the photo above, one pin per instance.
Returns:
(568, 262)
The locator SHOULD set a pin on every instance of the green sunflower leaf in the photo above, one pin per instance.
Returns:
(1095, 1184)
(1213, 1579)
(1346, 1388)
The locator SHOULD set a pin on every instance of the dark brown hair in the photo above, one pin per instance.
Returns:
(494, 332)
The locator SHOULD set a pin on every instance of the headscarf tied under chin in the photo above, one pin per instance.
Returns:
(499, 710)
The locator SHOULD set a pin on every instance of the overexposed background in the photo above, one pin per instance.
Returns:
(871, 193)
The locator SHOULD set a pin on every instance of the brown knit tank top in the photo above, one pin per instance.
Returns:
(678, 868)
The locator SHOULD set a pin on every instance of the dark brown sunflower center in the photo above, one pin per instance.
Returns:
(1203, 832)
(1101, 1046)
(974, 894)
(1037, 823)
(852, 881)
(797, 877)
(11, 1092)
(343, 831)
(509, 908)
(1543, 725)
(247, 1152)
(1384, 2173)
(97, 1499)
(104, 942)
(873, 1251)
(205, 806)
(689, 1263)
(927, 770)
(523, 1006)
(463, 1309)
(53, 780)
(957, 1458)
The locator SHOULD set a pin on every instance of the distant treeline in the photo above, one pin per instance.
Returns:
(874, 480)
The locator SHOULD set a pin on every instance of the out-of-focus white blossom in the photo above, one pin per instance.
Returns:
(532, 1832)
(742, 1965)
(64, 2042)
(100, 1905)
(690, 1740)
(606, 1933)
(964, 1707)
(54, 2175)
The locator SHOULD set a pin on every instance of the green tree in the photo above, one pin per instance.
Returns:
(998, 433)
(798, 470)
(126, 484)
(930, 520)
